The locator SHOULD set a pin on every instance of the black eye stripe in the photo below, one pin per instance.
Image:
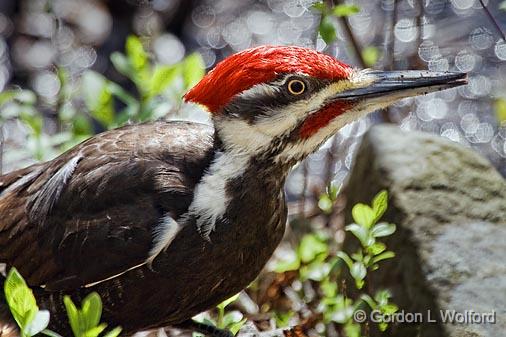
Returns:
(251, 107)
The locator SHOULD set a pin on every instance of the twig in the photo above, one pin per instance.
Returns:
(353, 41)
(494, 22)
(419, 23)
(331, 159)
(385, 113)
(305, 173)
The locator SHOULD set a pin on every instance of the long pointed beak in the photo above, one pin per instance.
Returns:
(394, 85)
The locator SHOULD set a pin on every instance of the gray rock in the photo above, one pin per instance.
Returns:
(449, 205)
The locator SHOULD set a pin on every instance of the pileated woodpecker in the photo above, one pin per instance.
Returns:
(167, 219)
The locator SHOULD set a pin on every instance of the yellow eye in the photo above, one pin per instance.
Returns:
(296, 87)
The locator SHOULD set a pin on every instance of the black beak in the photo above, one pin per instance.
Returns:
(404, 83)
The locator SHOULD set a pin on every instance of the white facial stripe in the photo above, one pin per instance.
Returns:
(251, 139)
(260, 90)
(210, 199)
(254, 138)
(239, 136)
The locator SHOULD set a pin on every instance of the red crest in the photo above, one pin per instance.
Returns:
(262, 64)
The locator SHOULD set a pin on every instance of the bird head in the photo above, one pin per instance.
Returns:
(287, 100)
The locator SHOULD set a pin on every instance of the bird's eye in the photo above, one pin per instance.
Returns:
(296, 87)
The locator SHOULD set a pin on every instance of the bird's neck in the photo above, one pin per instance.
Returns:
(228, 180)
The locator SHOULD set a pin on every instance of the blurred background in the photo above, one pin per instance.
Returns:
(68, 70)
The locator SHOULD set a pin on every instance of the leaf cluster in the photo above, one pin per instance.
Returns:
(84, 322)
(89, 102)
(327, 30)
(232, 321)
(315, 261)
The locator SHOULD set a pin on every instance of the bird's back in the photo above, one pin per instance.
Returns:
(100, 201)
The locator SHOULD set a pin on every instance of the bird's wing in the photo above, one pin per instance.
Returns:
(96, 210)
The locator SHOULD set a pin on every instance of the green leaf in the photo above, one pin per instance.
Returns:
(345, 258)
(319, 6)
(315, 271)
(352, 329)
(114, 332)
(163, 76)
(362, 234)
(23, 307)
(333, 190)
(50, 333)
(358, 271)
(291, 263)
(383, 256)
(358, 256)
(383, 229)
(98, 97)
(13, 281)
(85, 322)
(310, 247)
(20, 300)
(283, 318)
(81, 126)
(389, 308)
(380, 204)
(228, 301)
(328, 288)
(121, 64)
(91, 310)
(327, 30)
(209, 322)
(383, 326)
(34, 121)
(382, 297)
(369, 300)
(94, 331)
(235, 327)
(136, 54)
(325, 203)
(370, 55)
(376, 248)
(193, 67)
(25, 97)
(363, 215)
(73, 316)
(7, 96)
(500, 108)
(345, 10)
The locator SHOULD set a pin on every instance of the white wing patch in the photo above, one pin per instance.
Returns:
(210, 199)
(164, 233)
(49, 194)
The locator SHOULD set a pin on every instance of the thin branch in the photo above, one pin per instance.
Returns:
(385, 113)
(331, 159)
(391, 44)
(353, 41)
(419, 23)
(305, 173)
(494, 22)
